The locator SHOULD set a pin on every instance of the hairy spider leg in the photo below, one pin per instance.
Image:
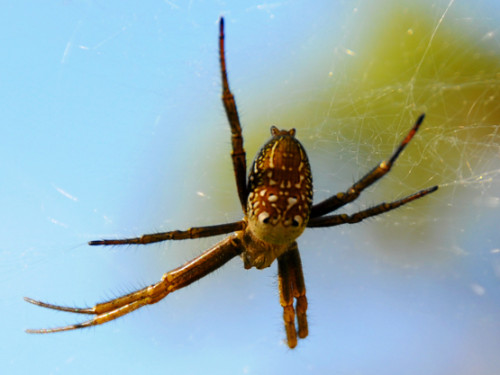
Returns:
(332, 220)
(178, 278)
(292, 286)
(238, 153)
(191, 233)
(341, 199)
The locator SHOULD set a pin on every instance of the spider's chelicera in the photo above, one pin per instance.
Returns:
(277, 202)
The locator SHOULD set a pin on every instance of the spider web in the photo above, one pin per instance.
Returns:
(355, 101)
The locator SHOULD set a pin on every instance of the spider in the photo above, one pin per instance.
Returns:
(277, 202)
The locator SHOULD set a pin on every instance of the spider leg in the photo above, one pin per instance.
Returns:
(330, 221)
(195, 232)
(291, 285)
(341, 199)
(171, 281)
(238, 152)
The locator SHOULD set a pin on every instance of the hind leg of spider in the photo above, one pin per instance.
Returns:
(195, 232)
(176, 279)
(341, 199)
(332, 220)
(291, 286)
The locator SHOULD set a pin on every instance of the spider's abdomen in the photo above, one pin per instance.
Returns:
(280, 189)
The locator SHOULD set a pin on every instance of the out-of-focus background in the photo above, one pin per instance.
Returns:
(112, 126)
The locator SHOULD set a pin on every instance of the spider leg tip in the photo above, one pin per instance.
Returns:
(97, 242)
(30, 300)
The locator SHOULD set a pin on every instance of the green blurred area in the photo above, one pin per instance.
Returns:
(354, 95)
(360, 93)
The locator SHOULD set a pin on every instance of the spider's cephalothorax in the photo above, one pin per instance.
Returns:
(277, 203)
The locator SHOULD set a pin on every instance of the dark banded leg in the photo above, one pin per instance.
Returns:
(332, 220)
(238, 152)
(341, 199)
(195, 232)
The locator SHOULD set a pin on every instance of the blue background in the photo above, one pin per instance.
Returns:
(112, 126)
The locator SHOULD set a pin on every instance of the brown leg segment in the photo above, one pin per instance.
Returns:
(238, 153)
(341, 199)
(176, 279)
(291, 285)
(299, 291)
(195, 232)
(332, 220)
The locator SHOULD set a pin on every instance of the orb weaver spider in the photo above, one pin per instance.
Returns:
(277, 205)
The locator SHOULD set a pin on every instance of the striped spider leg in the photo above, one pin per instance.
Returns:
(340, 199)
(277, 204)
(178, 278)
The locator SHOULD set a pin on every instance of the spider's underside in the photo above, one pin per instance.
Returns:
(277, 206)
